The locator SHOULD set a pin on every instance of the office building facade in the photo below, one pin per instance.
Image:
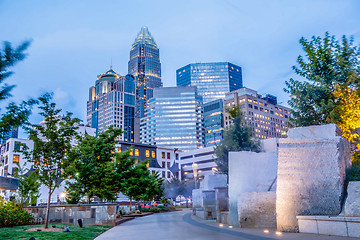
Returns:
(265, 117)
(213, 80)
(112, 103)
(145, 66)
(173, 119)
(204, 158)
(213, 122)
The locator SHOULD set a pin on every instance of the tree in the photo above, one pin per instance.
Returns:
(52, 142)
(96, 167)
(16, 115)
(28, 190)
(8, 58)
(237, 137)
(329, 90)
(174, 187)
(141, 184)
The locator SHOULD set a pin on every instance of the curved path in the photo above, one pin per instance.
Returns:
(180, 225)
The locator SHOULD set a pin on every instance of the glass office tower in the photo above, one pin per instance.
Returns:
(212, 80)
(112, 103)
(145, 66)
(173, 119)
(213, 122)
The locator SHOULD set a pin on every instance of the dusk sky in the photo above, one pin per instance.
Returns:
(74, 41)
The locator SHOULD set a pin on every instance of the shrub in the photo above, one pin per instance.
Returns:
(12, 214)
(155, 209)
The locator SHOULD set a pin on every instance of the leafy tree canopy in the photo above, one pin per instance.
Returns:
(329, 90)
(237, 137)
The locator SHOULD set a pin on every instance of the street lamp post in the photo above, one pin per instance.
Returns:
(194, 167)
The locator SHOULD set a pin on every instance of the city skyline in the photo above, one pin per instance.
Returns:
(260, 37)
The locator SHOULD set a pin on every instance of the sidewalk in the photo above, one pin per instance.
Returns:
(254, 233)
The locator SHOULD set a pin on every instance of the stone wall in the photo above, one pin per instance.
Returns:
(250, 172)
(210, 182)
(352, 204)
(311, 173)
(257, 210)
(90, 214)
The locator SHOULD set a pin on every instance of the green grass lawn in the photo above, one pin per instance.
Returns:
(76, 232)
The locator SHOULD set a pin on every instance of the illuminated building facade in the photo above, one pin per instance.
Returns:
(213, 122)
(266, 118)
(145, 66)
(212, 80)
(112, 103)
(173, 119)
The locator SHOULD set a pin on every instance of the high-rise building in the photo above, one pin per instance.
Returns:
(213, 122)
(173, 119)
(265, 117)
(13, 133)
(212, 80)
(112, 103)
(144, 65)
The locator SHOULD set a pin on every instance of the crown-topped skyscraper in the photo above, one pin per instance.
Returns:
(145, 66)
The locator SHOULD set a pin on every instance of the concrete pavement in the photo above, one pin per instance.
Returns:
(181, 225)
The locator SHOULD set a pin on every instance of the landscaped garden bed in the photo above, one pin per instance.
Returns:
(76, 232)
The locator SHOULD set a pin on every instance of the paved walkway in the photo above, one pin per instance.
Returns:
(181, 225)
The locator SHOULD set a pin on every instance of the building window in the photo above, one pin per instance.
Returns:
(163, 155)
(147, 153)
(16, 158)
(131, 152)
(168, 174)
(137, 152)
(177, 156)
(153, 154)
(148, 164)
(17, 146)
(163, 165)
(168, 155)
(168, 164)
(163, 174)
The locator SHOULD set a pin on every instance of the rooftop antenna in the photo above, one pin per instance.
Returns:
(111, 63)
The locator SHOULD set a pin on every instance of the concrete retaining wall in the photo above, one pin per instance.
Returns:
(90, 214)
(330, 225)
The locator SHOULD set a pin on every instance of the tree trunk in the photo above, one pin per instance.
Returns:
(89, 197)
(48, 209)
(130, 204)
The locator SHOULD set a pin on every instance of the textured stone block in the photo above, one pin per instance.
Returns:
(352, 204)
(210, 182)
(249, 172)
(327, 131)
(257, 210)
(311, 174)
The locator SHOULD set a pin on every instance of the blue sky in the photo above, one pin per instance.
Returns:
(74, 41)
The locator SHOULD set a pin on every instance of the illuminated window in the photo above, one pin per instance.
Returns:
(137, 152)
(148, 164)
(16, 158)
(131, 152)
(153, 154)
(168, 155)
(163, 154)
(147, 153)
(119, 150)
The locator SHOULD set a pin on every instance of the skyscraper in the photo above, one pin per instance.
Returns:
(212, 80)
(112, 103)
(213, 122)
(173, 119)
(144, 65)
